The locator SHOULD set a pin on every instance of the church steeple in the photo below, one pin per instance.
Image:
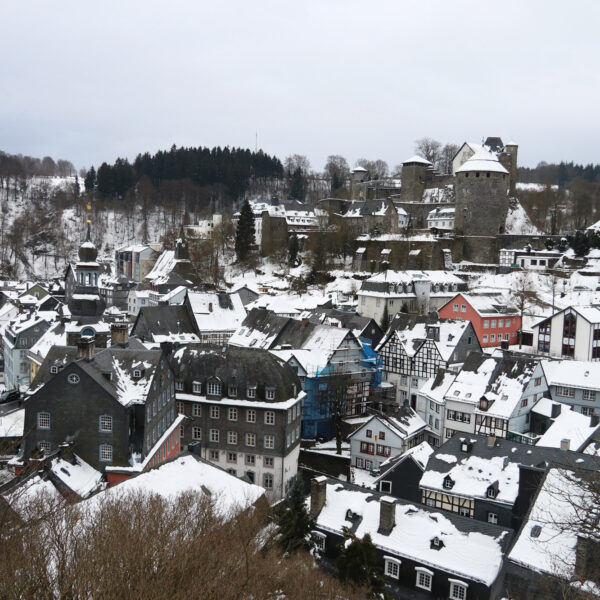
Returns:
(87, 250)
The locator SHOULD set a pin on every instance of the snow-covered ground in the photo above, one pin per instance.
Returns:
(518, 222)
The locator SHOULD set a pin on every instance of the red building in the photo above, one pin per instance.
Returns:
(493, 319)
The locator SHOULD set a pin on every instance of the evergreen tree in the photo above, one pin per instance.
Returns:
(244, 235)
(293, 249)
(298, 185)
(359, 564)
(294, 520)
(90, 180)
(385, 319)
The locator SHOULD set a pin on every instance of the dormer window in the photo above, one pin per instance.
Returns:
(483, 403)
(53, 369)
(197, 387)
(269, 393)
(137, 373)
(448, 483)
(251, 391)
(213, 388)
(492, 492)
(436, 543)
(465, 446)
(232, 392)
(179, 385)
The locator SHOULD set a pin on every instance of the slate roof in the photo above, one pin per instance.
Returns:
(172, 320)
(241, 367)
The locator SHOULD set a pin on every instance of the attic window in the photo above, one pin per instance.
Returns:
(492, 492)
(137, 373)
(351, 516)
(465, 446)
(436, 543)
(483, 404)
(535, 531)
(197, 387)
(53, 369)
(456, 392)
(448, 483)
(107, 376)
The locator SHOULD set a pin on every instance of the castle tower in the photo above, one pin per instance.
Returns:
(512, 150)
(481, 189)
(415, 172)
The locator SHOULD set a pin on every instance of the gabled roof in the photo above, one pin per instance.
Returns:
(590, 313)
(419, 454)
(575, 373)
(162, 322)
(217, 311)
(405, 423)
(482, 160)
(488, 304)
(416, 159)
(472, 549)
(569, 425)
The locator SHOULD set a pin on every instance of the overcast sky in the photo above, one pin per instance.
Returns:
(91, 81)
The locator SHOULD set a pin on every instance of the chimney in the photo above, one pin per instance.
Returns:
(491, 441)
(594, 420)
(387, 514)
(565, 444)
(86, 346)
(119, 333)
(210, 307)
(555, 411)
(318, 494)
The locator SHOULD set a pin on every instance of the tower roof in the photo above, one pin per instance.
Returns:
(87, 250)
(482, 161)
(417, 160)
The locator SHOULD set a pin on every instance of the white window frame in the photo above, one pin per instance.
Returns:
(215, 412)
(390, 565)
(42, 416)
(270, 394)
(427, 573)
(320, 539)
(250, 440)
(213, 388)
(105, 453)
(457, 584)
(196, 432)
(492, 518)
(486, 324)
(179, 385)
(269, 442)
(196, 409)
(196, 387)
(214, 435)
(268, 481)
(232, 413)
(104, 428)
(232, 437)
(251, 391)
(250, 415)
(269, 417)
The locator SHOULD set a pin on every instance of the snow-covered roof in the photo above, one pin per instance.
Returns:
(437, 387)
(473, 475)
(546, 543)
(465, 553)
(482, 160)
(217, 311)
(489, 304)
(574, 373)
(78, 475)
(187, 473)
(416, 159)
(163, 266)
(12, 424)
(420, 454)
(441, 213)
(56, 335)
(568, 425)
(404, 426)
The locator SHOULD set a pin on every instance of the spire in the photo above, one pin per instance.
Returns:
(88, 237)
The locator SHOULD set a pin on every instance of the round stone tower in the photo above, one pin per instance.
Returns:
(481, 190)
(416, 171)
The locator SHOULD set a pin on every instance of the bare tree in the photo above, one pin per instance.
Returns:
(429, 149)
(378, 169)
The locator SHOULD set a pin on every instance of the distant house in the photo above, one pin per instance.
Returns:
(217, 315)
(490, 479)
(494, 320)
(135, 261)
(528, 259)
(441, 218)
(416, 347)
(114, 405)
(380, 438)
(158, 324)
(573, 332)
(422, 552)
(243, 411)
(406, 291)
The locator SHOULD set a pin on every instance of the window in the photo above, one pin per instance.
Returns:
(232, 391)
(213, 389)
(492, 518)
(232, 414)
(196, 433)
(319, 540)
(385, 487)
(270, 393)
(448, 483)
(507, 322)
(392, 567)
(493, 337)
(105, 423)
(491, 492)
(179, 385)
(268, 481)
(464, 511)
(44, 447)
(250, 439)
(53, 369)
(251, 415)
(565, 392)
(458, 590)
(269, 441)
(463, 308)
(537, 382)
(232, 437)
(493, 324)
(232, 472)
(486, 324)
(369, 433)
(382, 435)
(500, 323)
(485, 339)
(196, 409)
(250, 459)
(268, 461)
(232, 457)
(196, 387)
(524, 402)
(43, 420)
(455, 307)
(215, 412)
(181, 433)
(589, 395)
(137, 373)
(588, 411)
(213, 454)
(73, 378)
(106, 453)
(269, 417)
(180, 409)
(251, 391)
(214, 435)
(424, 578)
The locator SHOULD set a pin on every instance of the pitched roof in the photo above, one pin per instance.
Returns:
(161, 322)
